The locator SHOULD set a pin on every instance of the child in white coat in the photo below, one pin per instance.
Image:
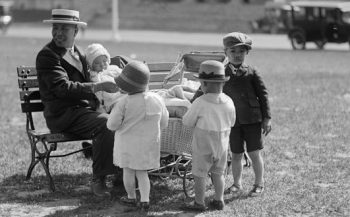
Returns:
(137, 119)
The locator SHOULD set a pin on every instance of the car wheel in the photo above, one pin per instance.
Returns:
(298, 40)
(320, 43)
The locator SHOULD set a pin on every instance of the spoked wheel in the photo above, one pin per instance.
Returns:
(182, 163)
(298, 40)
(320, 43)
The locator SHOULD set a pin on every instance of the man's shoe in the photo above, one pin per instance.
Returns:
(256, 191)
(99, 188)
(194, 207)
(217, 204)
(234, 190)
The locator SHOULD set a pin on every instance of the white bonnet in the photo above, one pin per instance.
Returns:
(95, 50)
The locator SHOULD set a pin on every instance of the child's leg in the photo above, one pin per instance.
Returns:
(258, 167)
(219, 186)
(144, 185)
(129, 182)
(199, 189)
(237, 168)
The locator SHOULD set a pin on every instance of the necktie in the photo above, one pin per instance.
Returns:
(74, 55)
(236, 71)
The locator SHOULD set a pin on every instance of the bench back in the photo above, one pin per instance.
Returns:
(29, 89)
(29, 86)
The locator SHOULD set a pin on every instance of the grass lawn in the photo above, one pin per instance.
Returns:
(306, 155)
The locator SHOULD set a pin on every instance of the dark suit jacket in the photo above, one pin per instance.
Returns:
(63, 88)
(248, 93)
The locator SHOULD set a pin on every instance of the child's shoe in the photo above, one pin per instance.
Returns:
(256, 191)
(217, 204)
(234, 190)
(144, 206)
(194, 206)
(128, 201)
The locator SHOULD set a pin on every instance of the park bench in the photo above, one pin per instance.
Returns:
(43, 142)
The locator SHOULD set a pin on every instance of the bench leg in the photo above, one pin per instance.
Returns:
(40, 156)
(34, 161)
(45, 163)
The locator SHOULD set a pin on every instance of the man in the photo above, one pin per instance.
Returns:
(68, 94)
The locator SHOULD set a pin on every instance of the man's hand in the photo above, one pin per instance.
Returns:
(94, 103)
(266, 126)
(107, 86)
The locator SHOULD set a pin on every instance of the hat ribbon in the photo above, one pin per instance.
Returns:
(210, 75)
(129, 81)
(64, 17)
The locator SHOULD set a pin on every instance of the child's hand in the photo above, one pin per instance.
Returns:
(266, 126)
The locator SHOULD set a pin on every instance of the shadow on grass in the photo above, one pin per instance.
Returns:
(73, 196)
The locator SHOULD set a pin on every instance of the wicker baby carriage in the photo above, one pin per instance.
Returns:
(176, 138)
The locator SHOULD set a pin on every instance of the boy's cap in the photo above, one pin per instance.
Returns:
(212, 71)
(65, 16)
(234, 39)
(95, 50)
(134, 77)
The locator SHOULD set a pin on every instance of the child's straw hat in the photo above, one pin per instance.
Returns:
(212, 71)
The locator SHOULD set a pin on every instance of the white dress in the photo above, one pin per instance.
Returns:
(137, 121)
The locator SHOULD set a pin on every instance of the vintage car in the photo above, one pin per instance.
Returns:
(275, 19)
(5, 15)
(319, 22)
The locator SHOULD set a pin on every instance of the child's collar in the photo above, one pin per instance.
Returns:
(241, 70)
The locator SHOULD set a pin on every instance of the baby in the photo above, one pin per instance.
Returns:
(99, 60)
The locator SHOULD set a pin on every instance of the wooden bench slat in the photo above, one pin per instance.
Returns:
(32, 107)
(55, 137)
(24, 71)
(29, 95)
(25, 83)
(155, 77)
(162, 66)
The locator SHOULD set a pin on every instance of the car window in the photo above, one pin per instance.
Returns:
(311, 13)
(346, 17)
(299, 13)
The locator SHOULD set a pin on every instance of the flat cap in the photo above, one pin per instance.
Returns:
(235, 39)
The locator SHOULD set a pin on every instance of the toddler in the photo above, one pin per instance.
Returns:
(99, 60)
(137, 119)
(212, 115)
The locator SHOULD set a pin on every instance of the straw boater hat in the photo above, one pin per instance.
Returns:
(212, 71)
(235, 39)
(65, 16)
(134, 77)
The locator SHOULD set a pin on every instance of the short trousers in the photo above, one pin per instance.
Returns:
(250, 134)
(204, 164)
